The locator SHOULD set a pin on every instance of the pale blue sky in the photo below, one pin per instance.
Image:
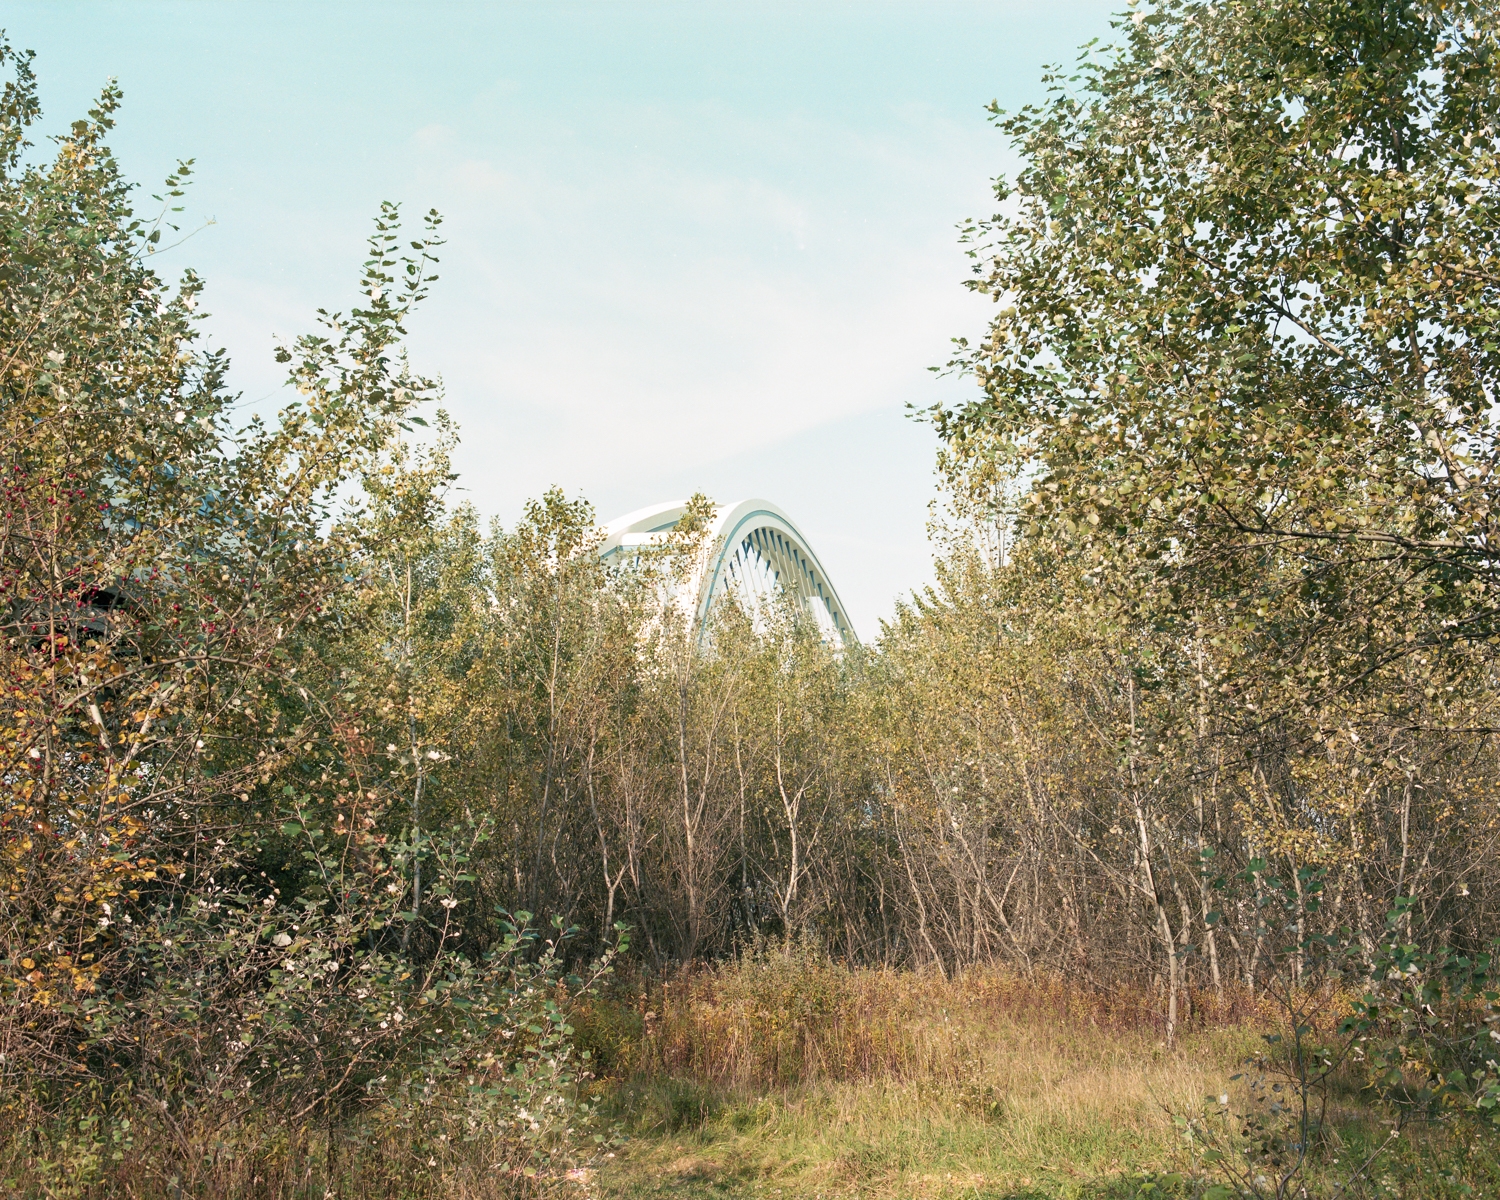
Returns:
(691, 246)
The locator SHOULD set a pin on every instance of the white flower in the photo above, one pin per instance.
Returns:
(448, 902)
(180, 417)
(1223, 1097)
(281, 939)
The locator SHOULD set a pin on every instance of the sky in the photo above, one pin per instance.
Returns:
(693, 246)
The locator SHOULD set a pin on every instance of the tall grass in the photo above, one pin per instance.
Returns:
(786, 1014)
(787, 1071)
(871, 1080)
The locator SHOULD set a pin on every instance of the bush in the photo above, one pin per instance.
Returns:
(254, 1016)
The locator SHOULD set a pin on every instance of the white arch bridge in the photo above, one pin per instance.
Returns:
(753, 551)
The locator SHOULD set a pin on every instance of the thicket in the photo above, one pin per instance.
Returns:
(1203, 699)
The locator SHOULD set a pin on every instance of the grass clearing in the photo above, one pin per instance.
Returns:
(1034, 1114)
(786, 1075)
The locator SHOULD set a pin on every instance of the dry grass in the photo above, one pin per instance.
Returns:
(788, 1075)
(790, 1016)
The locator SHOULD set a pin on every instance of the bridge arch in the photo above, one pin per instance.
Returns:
(753, 550)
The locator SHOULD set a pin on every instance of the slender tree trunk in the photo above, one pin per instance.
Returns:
(1148, 881)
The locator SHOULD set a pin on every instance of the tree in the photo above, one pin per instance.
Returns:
(209, 880)
(164, 575)
(1247, 346)
(1242, 376)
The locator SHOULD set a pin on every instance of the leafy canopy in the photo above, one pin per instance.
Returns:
(1248, 335)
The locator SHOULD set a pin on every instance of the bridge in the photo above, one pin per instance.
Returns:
(753, 551)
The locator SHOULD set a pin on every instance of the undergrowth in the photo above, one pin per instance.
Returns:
(786, 1073)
